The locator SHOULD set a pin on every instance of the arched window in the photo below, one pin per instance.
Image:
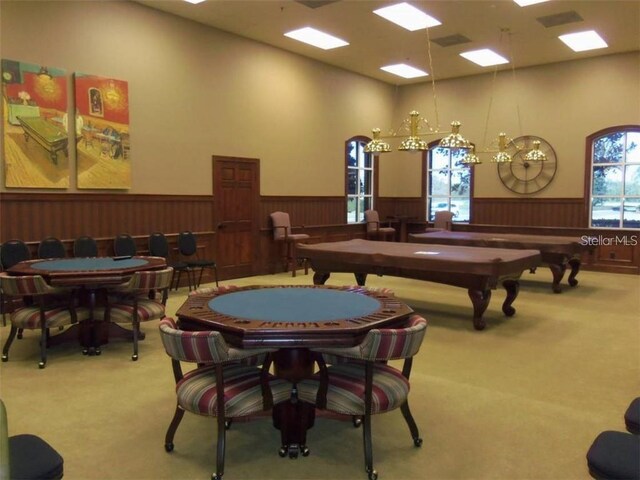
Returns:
(613, 177)
(360, 178)
(448, 183)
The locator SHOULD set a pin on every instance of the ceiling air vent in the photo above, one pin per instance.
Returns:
(315, 3)
(451, 40)
(560, 19)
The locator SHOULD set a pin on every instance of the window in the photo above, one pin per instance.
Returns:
(448, 183)
(360, 179)
(613, 158)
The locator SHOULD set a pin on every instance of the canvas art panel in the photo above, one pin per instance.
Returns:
(35, 124)
(103, 153)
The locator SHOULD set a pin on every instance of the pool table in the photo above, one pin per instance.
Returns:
(556, 252)
(51, 137)
(479, 270)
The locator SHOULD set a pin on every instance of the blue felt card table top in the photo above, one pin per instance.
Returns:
(293, 304)
(81, 264)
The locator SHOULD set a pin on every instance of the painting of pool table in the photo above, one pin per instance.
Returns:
(36, 138)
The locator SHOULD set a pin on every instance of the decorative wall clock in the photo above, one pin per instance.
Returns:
(524, 176)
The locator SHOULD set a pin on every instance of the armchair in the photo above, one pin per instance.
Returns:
(374, 229)
(282, 234)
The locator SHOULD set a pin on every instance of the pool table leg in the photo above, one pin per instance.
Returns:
(512, 287)
(557, 269)
(575, 268)
(480, 300)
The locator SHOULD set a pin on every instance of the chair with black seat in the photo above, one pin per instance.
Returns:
(12, 252)
(85, 246)
(124, 245)
(51, 247)
(363, 384)
(188, 248)
(48, 307)
(131, 303)
(374, 229)
(282, 233)
(159, 247)
(26, 456)
(222, 385)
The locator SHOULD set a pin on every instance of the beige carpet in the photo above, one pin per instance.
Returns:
(522, 399)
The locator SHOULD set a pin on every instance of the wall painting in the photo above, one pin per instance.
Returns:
(35, 124)
(103, 154)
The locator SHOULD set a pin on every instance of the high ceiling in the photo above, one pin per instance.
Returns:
(513, 31)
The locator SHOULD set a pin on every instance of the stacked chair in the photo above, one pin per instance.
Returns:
(616, 455)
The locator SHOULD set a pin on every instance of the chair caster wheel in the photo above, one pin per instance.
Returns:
(85, 351)
(373, 475)
(168, 447)
(357, 421)
(215, 476)
(417, 442)
(305, 451)
(41, 365)
(134, 357)
(227, 424)
(5, 358)
(282, 451)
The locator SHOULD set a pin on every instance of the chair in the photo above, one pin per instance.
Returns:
(131, 303)
(632, 417)
(188, 249)
(85, 246)
(443, 220)
(282, 234)
(365, 384)
(25, 456)
(221, 386)
(48, 307)
(124, 245)
(51, 247)
(374, 230)
(159, 247)
(11, 253)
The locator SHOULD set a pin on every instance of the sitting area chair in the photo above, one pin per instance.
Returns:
(188, 248)
(51, 247)
(85, 247)
(221, 386)
(282, 234)
(132, 302)
(443, 220)
(124, 245)
(374, 230)
(25, 456)
(47, 307)
(159, 247)
(360, 383)
(11, 253)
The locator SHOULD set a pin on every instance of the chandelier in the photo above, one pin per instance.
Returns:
(415, 127)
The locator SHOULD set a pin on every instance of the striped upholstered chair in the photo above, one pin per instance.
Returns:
(221, 386)
(44, 307)
(366, 385)
(141, 299)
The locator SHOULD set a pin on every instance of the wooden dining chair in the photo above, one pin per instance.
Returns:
(44, 307)
(221, 385)
(362, 384)
(141, 299)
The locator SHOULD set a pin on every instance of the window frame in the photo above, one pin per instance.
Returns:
(588, 175)
(374, 180)
(425, 186)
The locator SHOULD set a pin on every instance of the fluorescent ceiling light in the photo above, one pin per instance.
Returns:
(581, 41)
(316, 38)
(195, 2)
(526, 3)
(484, 57)
(407, 16)
(405, 71)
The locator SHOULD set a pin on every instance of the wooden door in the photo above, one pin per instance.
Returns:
(236, 188)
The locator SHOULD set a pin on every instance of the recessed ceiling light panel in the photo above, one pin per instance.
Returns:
(405, 71)
(195, 2)
(316, 38)
(407, 16)
(582, 41)
(484, 57)
(526, 3)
